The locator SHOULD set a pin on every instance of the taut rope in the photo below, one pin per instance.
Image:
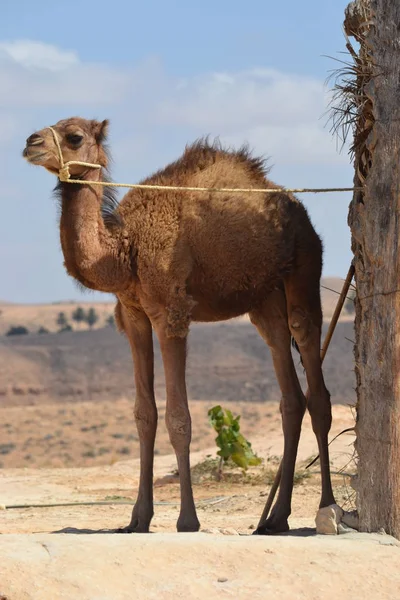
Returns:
(65, 175)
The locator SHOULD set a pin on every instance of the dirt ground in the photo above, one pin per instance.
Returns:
(51, 552)
(101, 433)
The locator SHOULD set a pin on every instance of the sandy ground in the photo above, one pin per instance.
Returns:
(71, 552)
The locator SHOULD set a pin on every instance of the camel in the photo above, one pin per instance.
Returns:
(174, 257)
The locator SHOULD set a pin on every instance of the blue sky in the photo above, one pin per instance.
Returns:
(164, 73)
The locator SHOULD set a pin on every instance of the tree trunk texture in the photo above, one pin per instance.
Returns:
(374, 218)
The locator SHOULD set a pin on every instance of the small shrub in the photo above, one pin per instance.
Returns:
(42, 330)
(6, 448)
(61, 320)
(78, 315)
(17, 330)
(103, 450)
(89, 454)
(124, 450)
(233, 445)
(110, 321)
(91, 317)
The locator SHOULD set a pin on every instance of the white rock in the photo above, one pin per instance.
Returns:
(213, 530)
(327, 519)
(229, 531)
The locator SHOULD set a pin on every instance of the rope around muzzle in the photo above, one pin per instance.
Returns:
(65, 176)
(63, 172)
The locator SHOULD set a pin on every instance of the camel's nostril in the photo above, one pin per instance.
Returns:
(34, 140)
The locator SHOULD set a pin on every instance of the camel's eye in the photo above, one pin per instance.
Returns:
(74, 139)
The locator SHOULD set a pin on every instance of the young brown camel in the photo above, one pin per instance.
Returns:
(173, 257)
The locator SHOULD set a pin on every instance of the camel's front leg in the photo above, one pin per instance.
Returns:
(178, 420)
(138, 329)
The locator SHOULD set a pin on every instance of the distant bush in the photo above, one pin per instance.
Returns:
(6, 448)
(17, 330)
(110, 321)
(79, 315)
(42, 330)
(61, 320)
(66, 327)
(91, 317)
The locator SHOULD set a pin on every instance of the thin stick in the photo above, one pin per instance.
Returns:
(338, 310)
(327, 341)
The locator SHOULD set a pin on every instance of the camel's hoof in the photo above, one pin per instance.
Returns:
(272, 527)
(188, 526)
(133, 528)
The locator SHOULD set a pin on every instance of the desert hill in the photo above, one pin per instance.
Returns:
(227, 361)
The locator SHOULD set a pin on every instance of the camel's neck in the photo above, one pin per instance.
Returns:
(92, 254)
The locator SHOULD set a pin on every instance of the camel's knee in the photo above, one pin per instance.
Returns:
(179, 427)
(301, 326)
(320, 409)
(292, 409)
(179, 313)
(145, 417)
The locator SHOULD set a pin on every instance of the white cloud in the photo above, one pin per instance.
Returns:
(37, 55)
(278, 113)
(246, 98)
(37, 74)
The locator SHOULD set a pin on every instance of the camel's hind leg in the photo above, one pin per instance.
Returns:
(138, 330)
(305, 322)
(272, 323)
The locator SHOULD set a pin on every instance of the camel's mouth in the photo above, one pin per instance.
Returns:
(33, 156)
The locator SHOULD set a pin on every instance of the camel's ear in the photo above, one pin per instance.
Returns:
(101, 130)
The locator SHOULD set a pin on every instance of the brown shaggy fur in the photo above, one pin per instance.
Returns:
(173, 257)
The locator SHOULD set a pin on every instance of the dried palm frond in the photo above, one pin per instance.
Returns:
(350, 110)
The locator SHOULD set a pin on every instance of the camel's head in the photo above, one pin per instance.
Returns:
(79, 139)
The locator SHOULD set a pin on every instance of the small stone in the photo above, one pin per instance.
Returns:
(252, 526)
(327, 519)
(381, 531)
(212, 530)
(229, 531)
(222, 579)
(2, 507)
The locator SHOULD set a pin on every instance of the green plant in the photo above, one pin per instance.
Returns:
(232, 444)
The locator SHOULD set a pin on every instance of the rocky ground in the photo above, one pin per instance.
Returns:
(71, 551)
